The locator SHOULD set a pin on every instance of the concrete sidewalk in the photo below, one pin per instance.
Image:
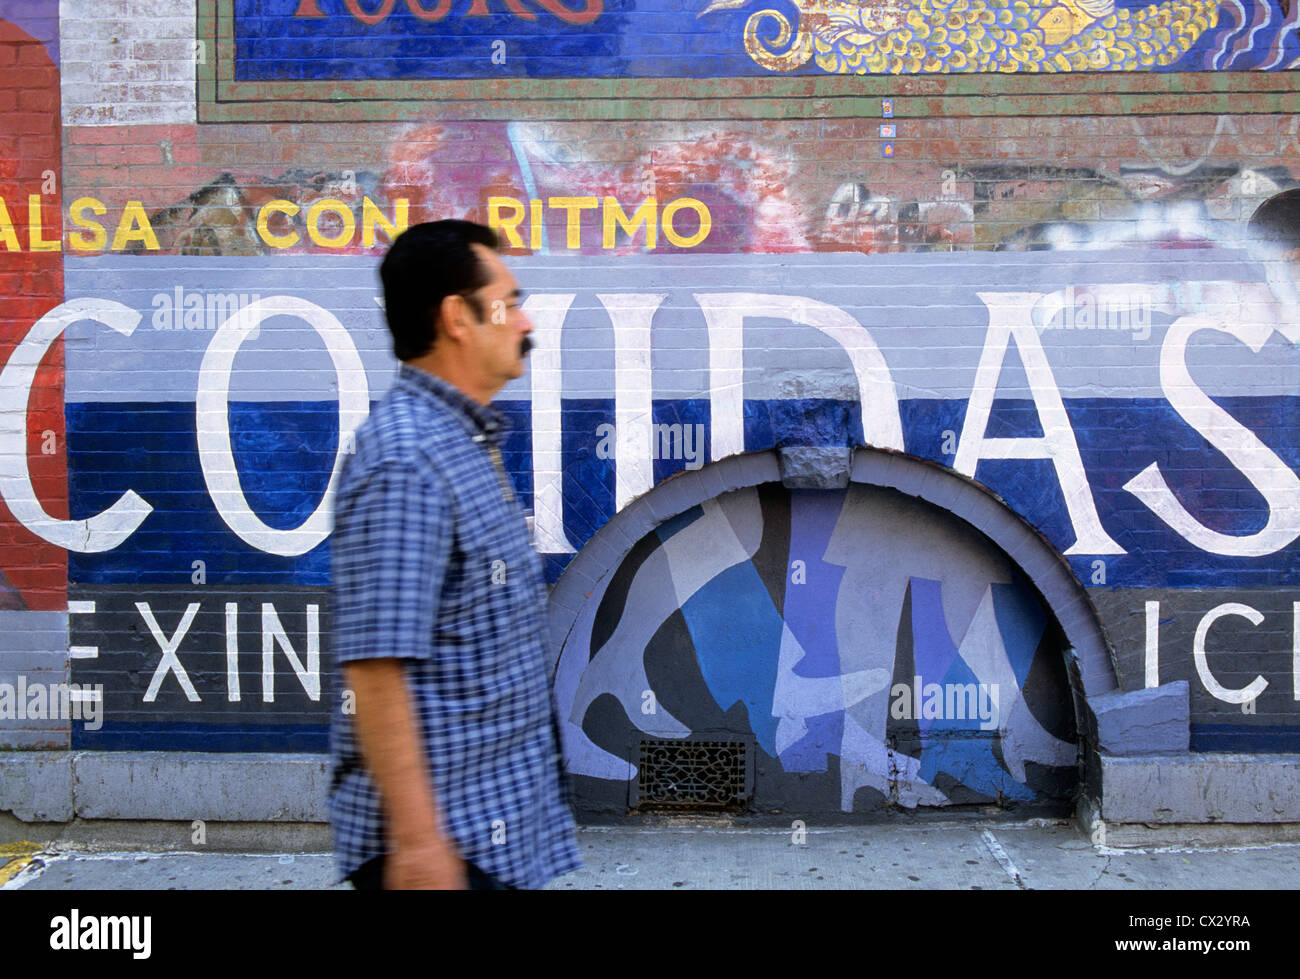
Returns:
(705, 855)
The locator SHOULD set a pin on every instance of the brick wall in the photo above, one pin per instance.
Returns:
(33, 594)
(1052, 234)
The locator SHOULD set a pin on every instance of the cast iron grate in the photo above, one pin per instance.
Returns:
(692, 774)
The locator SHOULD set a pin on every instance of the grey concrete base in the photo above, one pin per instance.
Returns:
(1190, 835)
(1191, 800)
(1200, 788)
(158, 836)
(1143, 722)
(254, 802)
(1124, 836)
(36, 786)
(57, 786)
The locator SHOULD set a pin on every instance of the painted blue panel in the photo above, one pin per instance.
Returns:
(933, 651)
(683, 412)
(1117, 439)
(588, 481)
(627, 39)
(517, 448)
(1239, 737)
(810, 607)
(285, 450)
(956, 746)
(1021, 622)
(168, 736)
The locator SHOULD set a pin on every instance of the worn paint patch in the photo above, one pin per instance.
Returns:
(15, 858)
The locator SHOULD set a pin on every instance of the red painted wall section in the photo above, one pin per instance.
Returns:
(31, 283)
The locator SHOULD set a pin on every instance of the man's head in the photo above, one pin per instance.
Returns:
(452, 304)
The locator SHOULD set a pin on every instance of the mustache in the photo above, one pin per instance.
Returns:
(526, 345)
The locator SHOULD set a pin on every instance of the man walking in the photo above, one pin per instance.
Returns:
(449, 773)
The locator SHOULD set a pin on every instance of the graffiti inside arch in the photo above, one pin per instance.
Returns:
(878, 651)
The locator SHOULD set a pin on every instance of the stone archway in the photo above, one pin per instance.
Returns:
(896, 641)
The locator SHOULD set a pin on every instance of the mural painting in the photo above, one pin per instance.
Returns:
(644, 371)
(33, 446)
(878, 651)
(290, 40)
(1066, 308)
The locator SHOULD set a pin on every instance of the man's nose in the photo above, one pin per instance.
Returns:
(526, 334)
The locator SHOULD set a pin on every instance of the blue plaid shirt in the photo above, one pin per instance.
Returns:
(432, 563)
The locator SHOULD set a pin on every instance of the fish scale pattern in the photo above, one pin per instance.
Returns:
(944, 36)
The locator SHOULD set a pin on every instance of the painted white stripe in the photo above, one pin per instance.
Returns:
(1004, 861)
(1238, 13)
(547, 311)
(1153, 644)
(630, 315)
(726, 384)
(1295, 650)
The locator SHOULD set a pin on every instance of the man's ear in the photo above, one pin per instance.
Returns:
(452, 316)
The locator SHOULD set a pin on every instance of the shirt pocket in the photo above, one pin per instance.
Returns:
(498, 565)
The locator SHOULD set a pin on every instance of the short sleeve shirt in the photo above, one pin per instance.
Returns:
(432, 564)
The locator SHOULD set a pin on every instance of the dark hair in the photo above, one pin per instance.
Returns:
(1277, 221)
(427, 263)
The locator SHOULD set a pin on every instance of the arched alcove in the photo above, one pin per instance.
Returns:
(906, 640)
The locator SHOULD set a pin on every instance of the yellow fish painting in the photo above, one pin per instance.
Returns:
(937, 36)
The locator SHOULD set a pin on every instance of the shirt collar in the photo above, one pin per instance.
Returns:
(478, 418)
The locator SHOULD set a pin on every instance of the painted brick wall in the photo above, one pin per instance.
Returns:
(127, 63)
(33, 594)
(1026, 256)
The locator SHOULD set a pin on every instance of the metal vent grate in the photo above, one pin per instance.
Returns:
(693, 774)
